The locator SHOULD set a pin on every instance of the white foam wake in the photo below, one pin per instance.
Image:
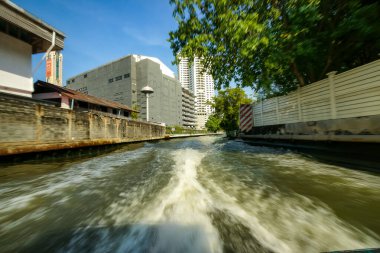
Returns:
(179, 213)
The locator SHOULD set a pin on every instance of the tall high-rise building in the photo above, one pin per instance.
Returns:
(201, 84)
(184, 73)
(54, 68)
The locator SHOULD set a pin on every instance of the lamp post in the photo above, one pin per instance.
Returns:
(147, 91)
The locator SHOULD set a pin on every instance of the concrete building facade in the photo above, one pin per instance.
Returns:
(54, 66)
(188, 113)
(184, 73)
(122, 81)
(21, 35)
(201, 84)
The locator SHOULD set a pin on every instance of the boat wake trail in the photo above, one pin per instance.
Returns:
(177, 220)
(203, 195)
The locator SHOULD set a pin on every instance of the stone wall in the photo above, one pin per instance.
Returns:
(27, 125)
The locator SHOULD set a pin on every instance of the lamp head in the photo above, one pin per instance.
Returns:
(147, 90)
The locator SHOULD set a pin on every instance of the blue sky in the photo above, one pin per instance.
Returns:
(99, 31)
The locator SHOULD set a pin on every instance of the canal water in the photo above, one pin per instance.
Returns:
(204, 194)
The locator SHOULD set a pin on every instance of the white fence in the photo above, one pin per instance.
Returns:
(353, 93)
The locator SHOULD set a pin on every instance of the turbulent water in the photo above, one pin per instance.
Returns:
(203, 194)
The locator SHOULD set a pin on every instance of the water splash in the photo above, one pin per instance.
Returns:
(178, 215)
(198, 195)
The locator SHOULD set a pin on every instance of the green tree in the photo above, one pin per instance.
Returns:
(213, 123)
(226, 105)
(135, 115)
(275, 46)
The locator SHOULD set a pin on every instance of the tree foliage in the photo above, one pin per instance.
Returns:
(226, 105)
(276, 45)
(135, 115)
(213, 123)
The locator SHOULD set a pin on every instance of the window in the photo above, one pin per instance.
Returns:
(68, 82)
(110, 80)
(85, 76)
(118, 78)
(73, 81)
(126, 75)
(83, 90)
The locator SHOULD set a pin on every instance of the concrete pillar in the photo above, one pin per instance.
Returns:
(65, 102)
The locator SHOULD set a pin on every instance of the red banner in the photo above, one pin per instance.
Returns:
(48, 68)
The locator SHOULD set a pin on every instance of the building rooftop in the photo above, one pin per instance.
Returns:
(41, 86)
(17, 22)
(165, 69)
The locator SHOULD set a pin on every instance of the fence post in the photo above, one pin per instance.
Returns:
(277, 113)
(331, 76)
(299, 104)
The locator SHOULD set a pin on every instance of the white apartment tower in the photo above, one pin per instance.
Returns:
(184, 73)
(201, 84)
(54, 68)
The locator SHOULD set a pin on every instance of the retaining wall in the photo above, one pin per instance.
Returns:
(28, 125)
(360, 129)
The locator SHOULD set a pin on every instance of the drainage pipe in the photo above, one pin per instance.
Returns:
(46, 54)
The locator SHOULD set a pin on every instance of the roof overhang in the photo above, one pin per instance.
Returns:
(18, 23)
(43, 87)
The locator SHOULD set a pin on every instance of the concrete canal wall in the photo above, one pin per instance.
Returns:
(28, 125)
(359, 129)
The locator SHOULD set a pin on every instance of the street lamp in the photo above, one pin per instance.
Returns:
(147, 91)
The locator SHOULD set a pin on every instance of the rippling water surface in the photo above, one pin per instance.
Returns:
(203, 194)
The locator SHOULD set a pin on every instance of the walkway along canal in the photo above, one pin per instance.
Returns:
(204, 194)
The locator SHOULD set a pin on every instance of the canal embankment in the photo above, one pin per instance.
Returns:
(339, 115)
(350, 140)
(33, 129)
(29, 125)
